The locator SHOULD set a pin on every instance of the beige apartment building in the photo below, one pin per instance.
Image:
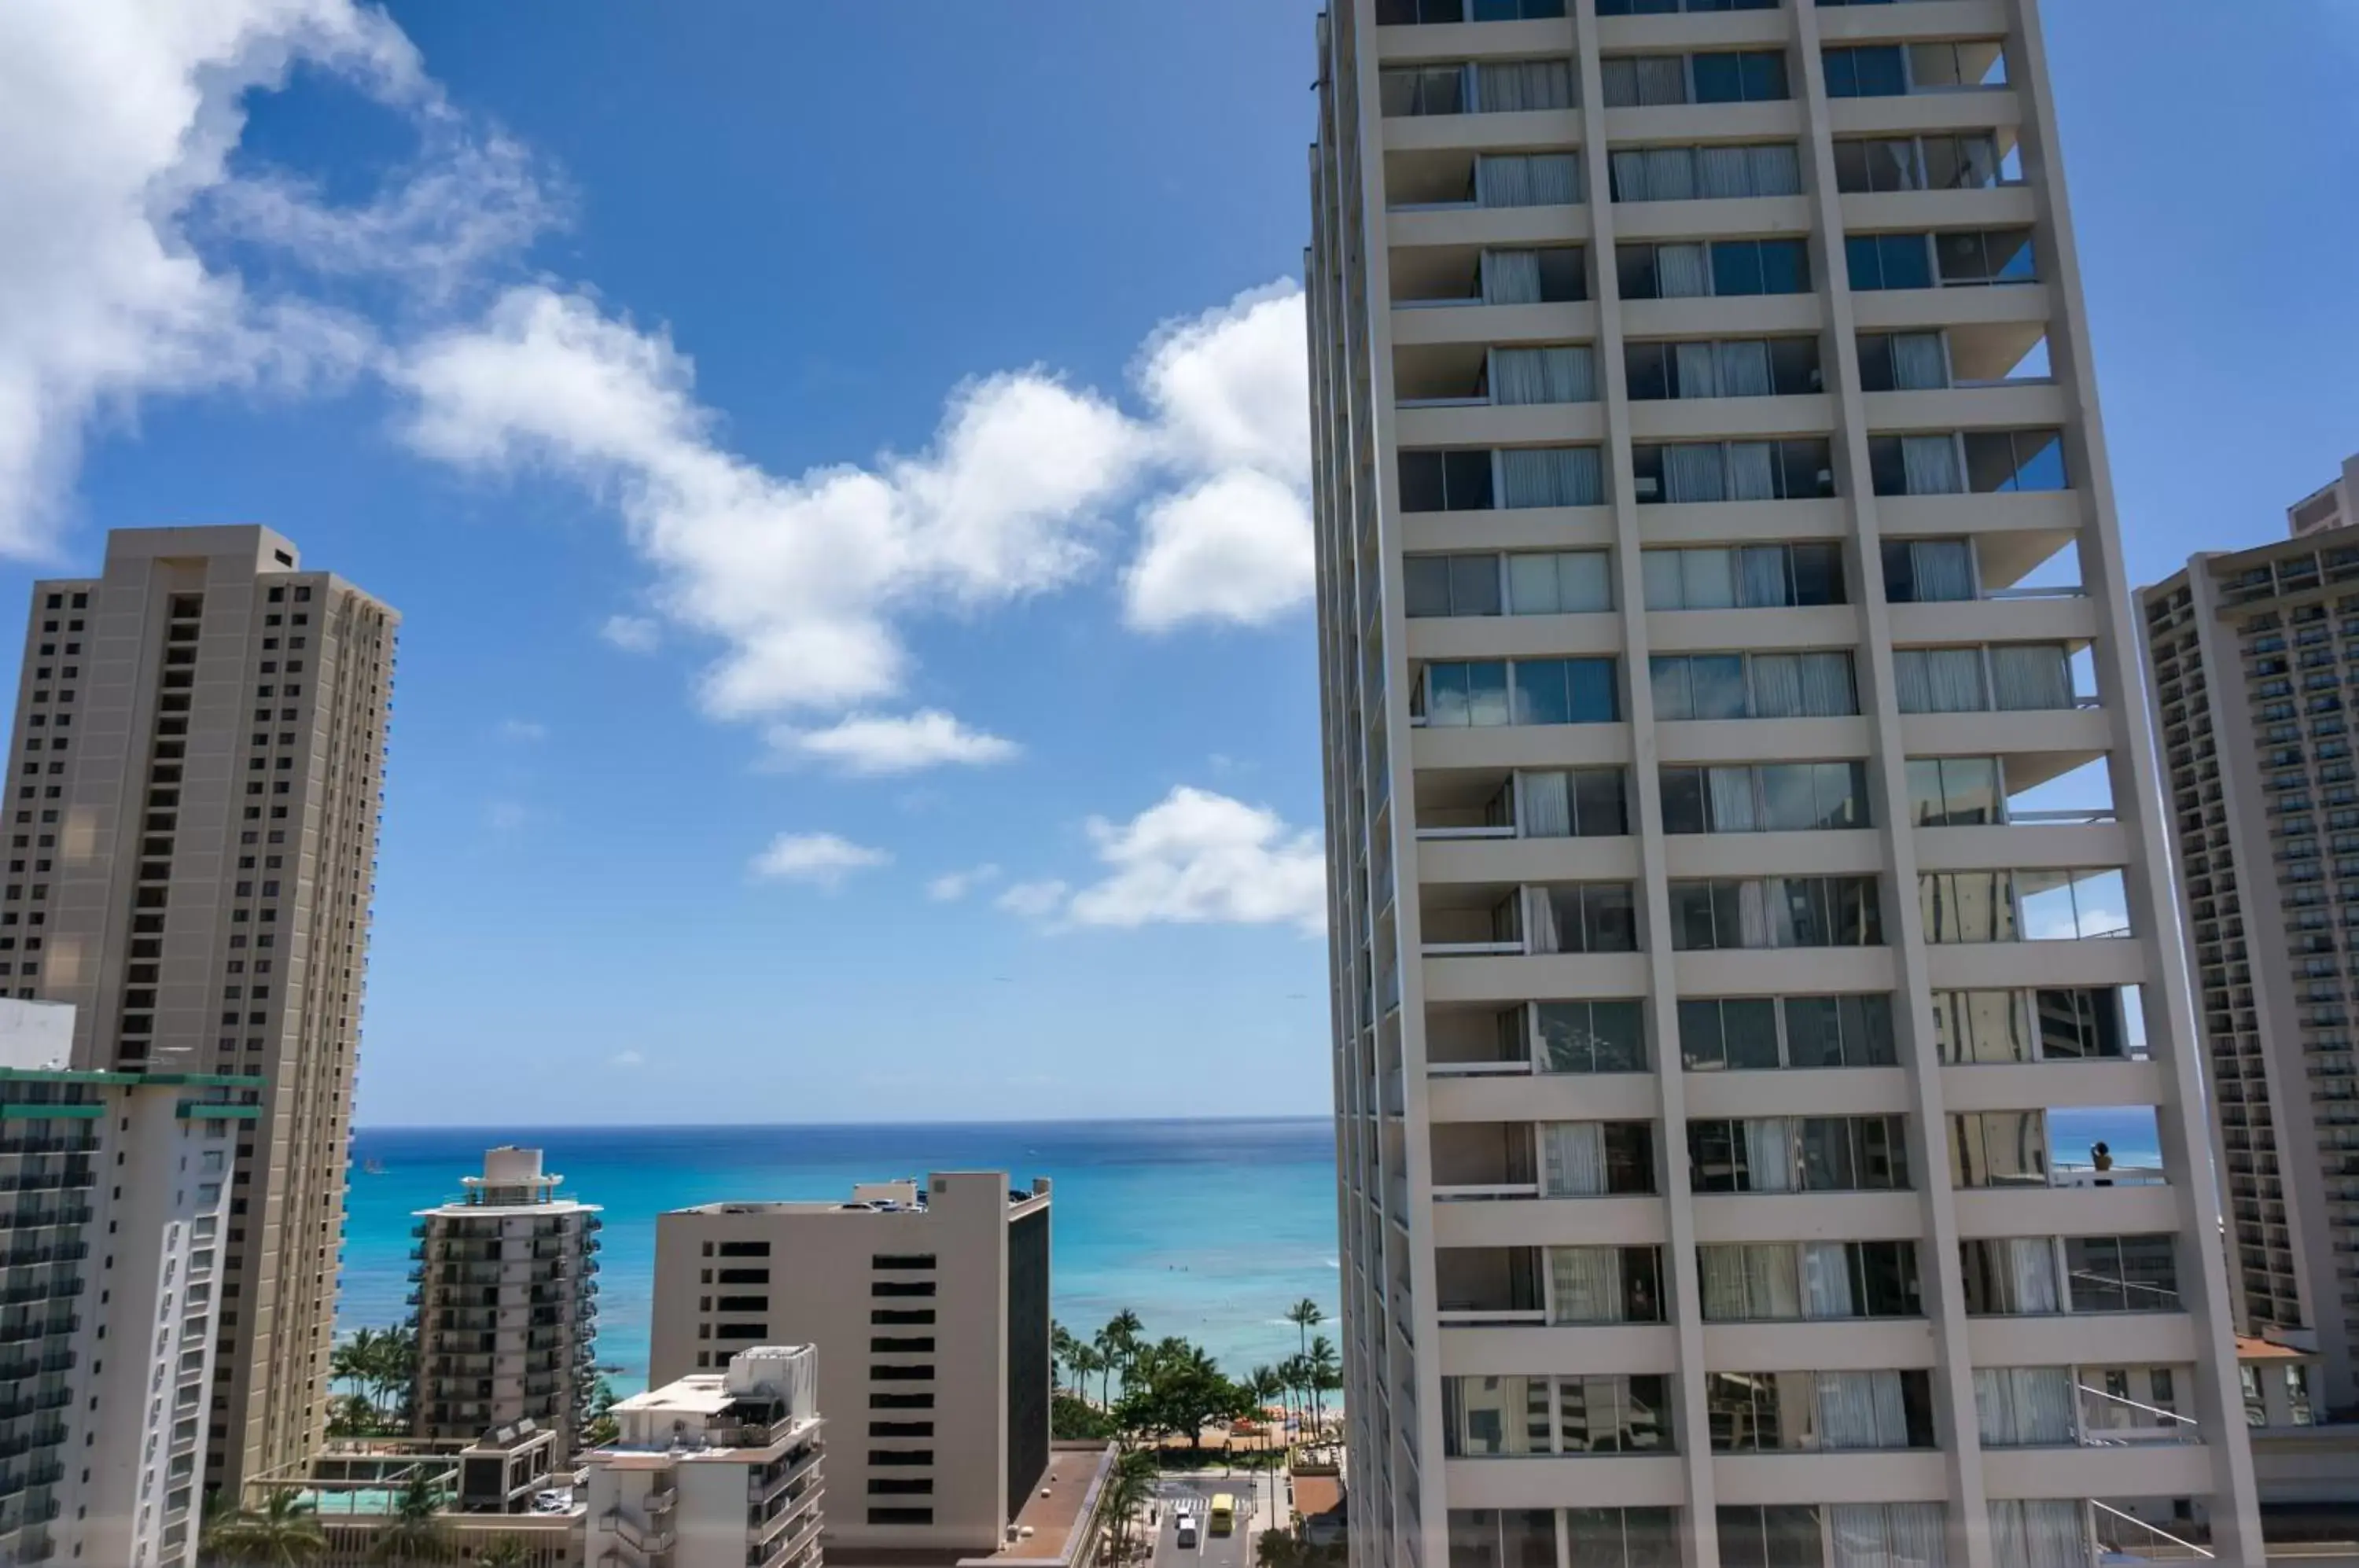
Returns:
(1742, 825)
(2250, 655)
(927, 1305)
(199, 745)
(505, 1286)
(713, 1470)
(115, 1186)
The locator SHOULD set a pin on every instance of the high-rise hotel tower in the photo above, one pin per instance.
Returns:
(196, 776)
(1747, 883)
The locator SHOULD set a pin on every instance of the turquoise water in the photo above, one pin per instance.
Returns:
(1207, 1229)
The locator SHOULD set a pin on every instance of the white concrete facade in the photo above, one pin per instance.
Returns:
(1688, 903)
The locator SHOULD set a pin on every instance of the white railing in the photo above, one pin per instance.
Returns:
(1488, 830)
(1515, 1067)
(2077, 1175)
(1441, 402)
(2167, 1426)
(1980, 383)
(2076, 816)
(1451, 303)
(2154, 1530)
(1472, 949)
(1484, 1317)
(2052, 591)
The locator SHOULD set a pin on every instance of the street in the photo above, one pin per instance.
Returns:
(1233, 1549)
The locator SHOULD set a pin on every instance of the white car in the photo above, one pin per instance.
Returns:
(1183, 1521)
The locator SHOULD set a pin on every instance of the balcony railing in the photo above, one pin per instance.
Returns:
(2075, 1175)
(1472, 949)
(1491, 1317)
(1485, 1192)
(1488, 830)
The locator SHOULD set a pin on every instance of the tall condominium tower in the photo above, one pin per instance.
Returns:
(2250, 655)
(1699, 392)
(507, 1307)
(199, 747)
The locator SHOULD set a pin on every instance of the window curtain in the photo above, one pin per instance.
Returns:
(2031, 1275)
(1670, 174)
(1861, 1409)
(1762, 576)
(1723, 172)
(1931, 465)
(1566, 374)
(1771, 1287)
(1662, 78)
(1526, 180)
(1516, 85)
(1752, 471)
(1826, 1280)
(1939, 680)
(2037, 1533)
(1722, 1274)
(1697, 369)
(2026, 676)
(1731, 800)
(1682, 271)
(1541, 932)
(1918, 1536)
(1708, 579)
(1826, 685)
(1918, 362)
(1757, 915)
(1777, 682)
(1551, 476)
(1744, 369)
(1777, 170)
(1586, 1283)
(1659, 569)
(1630, 176)
(1770, 1154)
(1582, 581)
(1511, 278)
(1547, 806)
(1944, 570)
(2019, 1407)
(1693, 474)
(1572, 1157)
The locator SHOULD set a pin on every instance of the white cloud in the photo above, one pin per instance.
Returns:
(1237, 547)
(1194, 857)
(523, 730)
(870, 744)
(952, 886)
(117, 123)
(632, 634)
(627, 1058)
(1034, 900)
(821, 859)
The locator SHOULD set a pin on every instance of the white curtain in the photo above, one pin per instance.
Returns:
(1670, 174)
(1551, 476)
(1861, 1409)
(1931, 464)
(1556, 180)
(1526, 180)
(1721, 1272)
(1770, 1153)
(1777, 169)
(1587, 1283)
(1682, 271)
(2026, 676)
(1731, 800)
(2040, 1533)
(1582, 581)
(2019, 1407)
(1944, 570)
(1918, 1535)
(1547, 806)
(1573, 1159)
(1757, 922)
(1630, 175)
(1564, 373)
(1863, 1536)
(1693, 474)
(1708, 579)
(1662, 78)
(1762, 576)
(1697, 369)
(1776, 680)
(1752, 471)
(2031, 1275)
(1723, 172)
(1826, 1280)
(1939, 680)
(1532, 588)
(1660, 569)
(1513, 85)
(1827, 689)
(1918, 362)
(1744, 369)
(1511, 278)
(1771, 1289)
(1541, 933)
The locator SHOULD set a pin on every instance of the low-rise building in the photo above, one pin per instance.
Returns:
(714, 1469)
(928, 1306)
(507, 1295)
(113, 1189)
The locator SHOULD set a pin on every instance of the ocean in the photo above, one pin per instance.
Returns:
(1207, 1229)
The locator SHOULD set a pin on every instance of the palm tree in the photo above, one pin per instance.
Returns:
(1296, 1370)
(355, 1361)
(1265, 1385)
(1305, 1316)
(1132, 1482)
(1326, 1373)
(1125, 1329)
(282, 1533)
(507, 1551)
(413, 1534)
(1084, 1361)
(1061, 1346)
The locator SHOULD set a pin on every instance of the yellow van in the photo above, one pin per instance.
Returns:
(1224, 1513)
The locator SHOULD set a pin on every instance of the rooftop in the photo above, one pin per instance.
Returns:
(906, 1195)
(766, 1399)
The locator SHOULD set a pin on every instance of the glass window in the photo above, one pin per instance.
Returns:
(1591, 1036)
(1888, 261)
(2005, 461)
(1451, 584)
(1559, 583)
(1877, 165)
(1445, 481)
(1875, 70)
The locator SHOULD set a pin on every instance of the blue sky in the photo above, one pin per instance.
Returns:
(840, 465)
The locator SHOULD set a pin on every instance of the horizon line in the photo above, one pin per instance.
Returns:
(708, 1127)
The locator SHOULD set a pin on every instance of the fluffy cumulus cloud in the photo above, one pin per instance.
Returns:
(952, 886)
(1192, 858)
(868, 744)
(118, 120)
(821, 859)
(632, 634)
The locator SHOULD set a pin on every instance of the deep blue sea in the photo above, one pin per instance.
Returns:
(1207, 1229)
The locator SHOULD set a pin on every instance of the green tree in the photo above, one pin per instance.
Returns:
(1086, 1360)
(505, 1552)
(415, 1533)
(1126, 1331)
(600, 1428)
(1277, 1549)
(1061, 1346)
(282, 1533)
(1305, 1316)
(1127, 1489)
(1325, 1375)
(1178, 1389)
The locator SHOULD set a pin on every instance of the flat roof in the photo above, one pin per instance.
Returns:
(2251, 1349)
